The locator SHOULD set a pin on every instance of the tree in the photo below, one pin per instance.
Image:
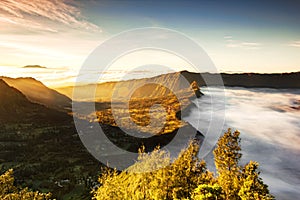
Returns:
(208, 192)
(154, 176)
(142, 180)
(253, 187)
(227, 155)
(9, 192)
(187, 172)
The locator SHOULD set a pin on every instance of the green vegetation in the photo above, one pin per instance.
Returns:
(10, 192)
(155, 176)
(48, 159)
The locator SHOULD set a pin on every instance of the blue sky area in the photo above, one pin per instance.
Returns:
(252, 36)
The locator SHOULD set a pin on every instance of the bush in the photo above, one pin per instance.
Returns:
(9, 192)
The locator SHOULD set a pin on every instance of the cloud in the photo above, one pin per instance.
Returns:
(231, 43)
(294, 44)
(43, 15)
(227, 37)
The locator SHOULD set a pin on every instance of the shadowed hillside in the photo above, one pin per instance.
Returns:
(15, 107)
(42, 146)
(37, 92)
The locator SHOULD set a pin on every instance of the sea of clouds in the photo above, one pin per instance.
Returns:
(270, 131)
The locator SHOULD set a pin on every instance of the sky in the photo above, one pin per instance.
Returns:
(252, 36)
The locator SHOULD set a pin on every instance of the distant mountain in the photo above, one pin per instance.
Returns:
(34, 66)
(249, 80)
(15, 107)
(37, 92)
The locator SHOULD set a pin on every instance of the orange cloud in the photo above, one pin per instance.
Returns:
(43, 15)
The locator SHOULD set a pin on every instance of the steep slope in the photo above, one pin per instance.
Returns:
(155, 87)
(37, 92)
(180, 81)
(15, 107)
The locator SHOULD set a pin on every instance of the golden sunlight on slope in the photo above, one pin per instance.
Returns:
(37, 92)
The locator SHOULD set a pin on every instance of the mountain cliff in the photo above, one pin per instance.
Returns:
(174, 82)
(154, 87)
(15, 107)
(37, 92)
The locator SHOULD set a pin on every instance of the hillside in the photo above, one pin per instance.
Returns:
(154, 87)
(15, 107)
(37, 92)
(134, 105)
(43, 147)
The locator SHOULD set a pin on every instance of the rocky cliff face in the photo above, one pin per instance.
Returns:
(149, 105)
(155, 87)
(164, 84)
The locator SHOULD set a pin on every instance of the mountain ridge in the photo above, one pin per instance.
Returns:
(37, 92)
(181, 80)
(153, 87)
(15, 107)
(249, 80)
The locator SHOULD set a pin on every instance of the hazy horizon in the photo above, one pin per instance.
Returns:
(60, 77)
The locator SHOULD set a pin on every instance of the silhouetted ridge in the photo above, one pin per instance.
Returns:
(15, 107)
(10, 97)
(284, 80)
(37, 92)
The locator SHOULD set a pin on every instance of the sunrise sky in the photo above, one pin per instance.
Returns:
(254, 36)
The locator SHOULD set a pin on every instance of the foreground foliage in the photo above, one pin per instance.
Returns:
(155, 176)
(10, 192)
